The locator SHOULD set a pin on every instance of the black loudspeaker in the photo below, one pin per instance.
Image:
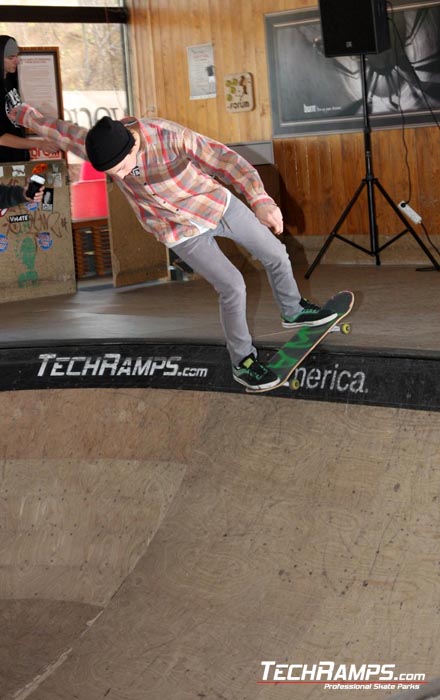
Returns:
(354, 27)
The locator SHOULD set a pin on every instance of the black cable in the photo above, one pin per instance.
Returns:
(429, 238)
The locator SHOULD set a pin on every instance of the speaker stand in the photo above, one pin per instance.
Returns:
(370, 182)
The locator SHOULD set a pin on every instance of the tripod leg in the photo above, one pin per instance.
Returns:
(408, 227)
(334, 232)
(372, 220)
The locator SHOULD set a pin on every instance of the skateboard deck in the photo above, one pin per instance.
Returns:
(285, 361)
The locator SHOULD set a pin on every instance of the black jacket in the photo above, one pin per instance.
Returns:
(9, 98)
(11, 195)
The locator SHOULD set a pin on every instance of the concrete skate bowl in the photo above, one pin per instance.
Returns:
(160, 545)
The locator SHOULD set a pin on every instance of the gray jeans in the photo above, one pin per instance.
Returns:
(206, 259)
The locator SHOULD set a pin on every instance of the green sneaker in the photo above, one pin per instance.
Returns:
(311, 315)
(253, 374)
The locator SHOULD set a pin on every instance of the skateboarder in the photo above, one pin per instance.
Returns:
(170, 176)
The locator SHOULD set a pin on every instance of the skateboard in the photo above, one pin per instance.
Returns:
(285, 361)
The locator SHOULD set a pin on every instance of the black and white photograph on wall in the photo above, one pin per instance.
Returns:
(47, 203)
(314, 94)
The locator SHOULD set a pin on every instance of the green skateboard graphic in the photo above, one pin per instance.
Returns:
(285, 361)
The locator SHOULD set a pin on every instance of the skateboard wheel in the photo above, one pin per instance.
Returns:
(295, 384)
(346, 328)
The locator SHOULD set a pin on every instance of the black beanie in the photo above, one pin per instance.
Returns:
(107, 143)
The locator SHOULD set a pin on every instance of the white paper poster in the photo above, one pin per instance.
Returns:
(37, 79)
(201, 69)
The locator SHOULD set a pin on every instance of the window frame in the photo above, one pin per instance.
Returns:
(61, 15)
(40, 14)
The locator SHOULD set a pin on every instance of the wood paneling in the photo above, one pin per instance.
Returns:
(145, 259)
(161, 31)
(319, 175)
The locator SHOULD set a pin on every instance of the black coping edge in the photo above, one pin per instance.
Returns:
(374, 377)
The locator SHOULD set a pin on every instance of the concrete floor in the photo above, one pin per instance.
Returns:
(395, 307)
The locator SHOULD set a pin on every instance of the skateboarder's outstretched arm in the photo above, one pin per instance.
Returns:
(225, 164)
(66, 135)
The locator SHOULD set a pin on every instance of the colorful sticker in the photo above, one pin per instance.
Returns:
(239, 92)
(32, 206)
(4, 242)
(39, 169)
(44, 240)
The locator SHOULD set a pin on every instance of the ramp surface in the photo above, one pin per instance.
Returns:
(159, 545)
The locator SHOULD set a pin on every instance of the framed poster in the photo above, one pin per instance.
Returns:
(313, 94)
(39, 79)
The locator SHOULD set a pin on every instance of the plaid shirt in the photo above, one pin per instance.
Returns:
(172, 189)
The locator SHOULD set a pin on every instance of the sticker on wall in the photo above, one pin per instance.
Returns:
(32, 206)
(4, 242)
(18, 171)
(47, 204)
(44, 240)
(18, 218)
(57, 180)
(239, 92)
(40, 169)
(53, 176)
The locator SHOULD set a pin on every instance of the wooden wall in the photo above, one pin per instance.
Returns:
(318, 174)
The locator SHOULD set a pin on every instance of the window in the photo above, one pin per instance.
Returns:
(92, 54)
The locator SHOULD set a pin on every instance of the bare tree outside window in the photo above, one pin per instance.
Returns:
(92, 66)
(91, 55)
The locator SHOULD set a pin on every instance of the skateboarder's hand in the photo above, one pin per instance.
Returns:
(270, 215)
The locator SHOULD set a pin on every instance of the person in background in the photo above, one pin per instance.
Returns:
(13, 195)
(174, 179)
(14, 144)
